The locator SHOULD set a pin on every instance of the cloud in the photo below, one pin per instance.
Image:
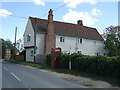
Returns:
(91, 1)
(38, 2)
(74, 3)
(96, 12)
(74, 16)
(5, 13)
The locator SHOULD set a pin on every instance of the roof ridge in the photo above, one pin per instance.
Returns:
(62, 22)
(70, 29)
(54, 21)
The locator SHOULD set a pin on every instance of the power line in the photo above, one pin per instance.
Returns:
(59, 7)
(16, 16)
(43, 15)
(62, 5)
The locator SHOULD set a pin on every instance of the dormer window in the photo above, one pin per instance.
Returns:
(28, 37)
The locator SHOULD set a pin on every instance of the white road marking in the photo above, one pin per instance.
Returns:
(5, 68)
(15, 76)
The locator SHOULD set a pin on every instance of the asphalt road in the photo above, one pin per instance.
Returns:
(19, 76)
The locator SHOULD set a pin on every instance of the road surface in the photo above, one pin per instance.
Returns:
(19, 76)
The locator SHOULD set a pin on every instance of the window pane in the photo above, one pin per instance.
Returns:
(28, 37)
(80, 40)
(62, 39)
(31, 53)
(79, 51)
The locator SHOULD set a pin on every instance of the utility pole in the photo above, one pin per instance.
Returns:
(15, 36)
(35, 41)
(15, 39)
(70, 67)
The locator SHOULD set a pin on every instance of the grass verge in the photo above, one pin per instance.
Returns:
(112, 80)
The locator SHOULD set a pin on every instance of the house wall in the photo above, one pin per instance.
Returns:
(29, 30)
(29, 58)
(40, 43)
(87, 47)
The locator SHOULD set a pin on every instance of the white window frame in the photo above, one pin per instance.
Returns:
(62, 39)
(97, 54)
(79, 40)
(79, 52)
(31, 53)
(28, 37)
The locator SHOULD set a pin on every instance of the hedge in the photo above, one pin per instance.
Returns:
(48, 60)
(101, 65)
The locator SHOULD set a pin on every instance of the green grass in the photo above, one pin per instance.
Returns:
(42, 66)
(112, 80)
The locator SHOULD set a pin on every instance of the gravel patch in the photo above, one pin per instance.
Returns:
(88, 82)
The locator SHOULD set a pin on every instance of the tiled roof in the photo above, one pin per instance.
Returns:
(67, 29)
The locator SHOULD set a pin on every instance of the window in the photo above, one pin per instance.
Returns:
(28, 37)
(79, 40)
(62, 39)
(97, 54)
(79, 52)
(31, 53)
(94, 42)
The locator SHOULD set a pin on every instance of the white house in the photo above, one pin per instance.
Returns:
(42, 35)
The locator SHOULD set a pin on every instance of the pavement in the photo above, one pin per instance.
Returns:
(19, 76)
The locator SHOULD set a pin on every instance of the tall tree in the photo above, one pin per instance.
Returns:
(8, 45)
(112, 45)
(112, 40)
(115, 30)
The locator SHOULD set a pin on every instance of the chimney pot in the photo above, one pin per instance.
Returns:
(79, 22)
(50, 16)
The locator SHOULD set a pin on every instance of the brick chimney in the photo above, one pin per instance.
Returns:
(79, 22)
(50, 16)
(50, 36)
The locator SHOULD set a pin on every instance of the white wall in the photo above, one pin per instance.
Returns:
(40, 39)
(29, 58)
(29, 30)
(88, 47)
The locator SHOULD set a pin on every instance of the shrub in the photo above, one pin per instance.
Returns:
(48, 60)
(102, 65)
(64, 60)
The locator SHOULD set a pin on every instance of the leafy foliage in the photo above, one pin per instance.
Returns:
(48, 60)
(112, 45)
(101, 65)
(112, 40)
(114, 30)
(7, 45)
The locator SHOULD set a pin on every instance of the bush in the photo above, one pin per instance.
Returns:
(64, 61)
(101, 65)
(48, 60)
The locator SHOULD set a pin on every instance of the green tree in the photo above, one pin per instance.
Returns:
(112, 45)
(112, 30)
(7, 45)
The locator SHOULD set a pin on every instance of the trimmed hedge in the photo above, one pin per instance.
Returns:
(48, 60)
(101, 65)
